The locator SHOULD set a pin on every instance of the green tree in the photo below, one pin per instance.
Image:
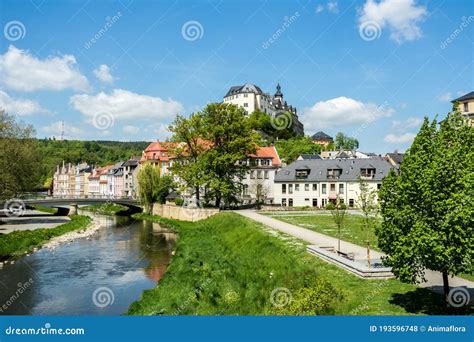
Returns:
(427, 209)
(292, 148)
(368, 205)
(148, 179)
(338, 213)
(345, 142)
(187, 166)
(231, 139)
(19, 160)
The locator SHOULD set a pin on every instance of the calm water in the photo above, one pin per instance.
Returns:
(101, 275)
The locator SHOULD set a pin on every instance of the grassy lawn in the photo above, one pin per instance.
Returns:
(229, 265)
(21, 242)
(351, 230)
(105, 209)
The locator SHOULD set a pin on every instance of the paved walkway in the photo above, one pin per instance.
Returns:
(32, 220)
(434, 279)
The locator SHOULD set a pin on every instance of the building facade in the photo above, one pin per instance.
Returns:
(466, 106)
(251, 98)
(316, 182)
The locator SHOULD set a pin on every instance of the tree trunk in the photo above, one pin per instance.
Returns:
(339, 238)
(368, 253)
(197, 194)
(218, 200)
(445, 286)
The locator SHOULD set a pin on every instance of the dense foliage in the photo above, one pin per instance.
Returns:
(343, 142)
(19, 161)
(153, 187)
(428, 211)
(290, 149)
(272, 129)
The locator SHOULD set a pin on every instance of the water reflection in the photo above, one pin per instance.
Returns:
(127, 256)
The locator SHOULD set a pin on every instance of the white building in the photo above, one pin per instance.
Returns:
(130, 172)
(252, 98)
(258, 182)
(315, 182)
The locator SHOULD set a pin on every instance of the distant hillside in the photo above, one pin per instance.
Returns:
(53, 152)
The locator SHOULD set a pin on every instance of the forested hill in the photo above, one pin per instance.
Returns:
(53, 152)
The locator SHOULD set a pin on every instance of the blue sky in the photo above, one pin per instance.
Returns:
(369, 68)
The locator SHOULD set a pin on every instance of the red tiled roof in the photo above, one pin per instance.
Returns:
(267, 152)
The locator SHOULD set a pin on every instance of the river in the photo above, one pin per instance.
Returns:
(100, 275)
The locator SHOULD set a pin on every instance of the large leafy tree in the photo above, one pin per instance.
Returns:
(19, 160)
(231, 139)
(292, 148)
(152, 187)
(427, 210)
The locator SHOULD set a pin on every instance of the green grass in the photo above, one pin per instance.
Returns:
(228, 264)
(351, 231)
(45, 209)
(105, 209)
(21, 242)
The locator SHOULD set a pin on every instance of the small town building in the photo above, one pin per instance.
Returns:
(466, 106)
(321, 138)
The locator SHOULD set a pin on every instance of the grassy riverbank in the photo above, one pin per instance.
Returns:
(45, 209)
(105, 209)
(228, 264)
(21, 242)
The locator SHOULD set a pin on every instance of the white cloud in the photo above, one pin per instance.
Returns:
(55, 129)
(126, 105)
(333, 7)
(402, 17)
(342, 111)
(20, 106)
(103, 74)
(399, 139)
(19, 70)
(408, 123)
(446, 97)
(129, 129)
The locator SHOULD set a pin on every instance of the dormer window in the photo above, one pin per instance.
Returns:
(367, 173)
(334, 173)
(302, 173)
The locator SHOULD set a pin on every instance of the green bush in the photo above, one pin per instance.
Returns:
(179, 201)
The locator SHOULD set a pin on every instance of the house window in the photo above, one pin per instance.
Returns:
(259, 174)
(297, 187)
(246, 104)
(324, 202)
(332, 187)
(266, 175)
(341, 188)
(246, 190)
(283, 188)
(290, 188)
(252, 174)
(378, 186)
(324, 189)
(351, 203)
(283, 202)
(466, 107)
(315, 202)
(315, 187)
(290, 202)
(306, 187)
(246, 95)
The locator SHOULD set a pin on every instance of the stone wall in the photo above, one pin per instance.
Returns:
(183, 213)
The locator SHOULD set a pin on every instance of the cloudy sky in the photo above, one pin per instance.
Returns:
(123, 69)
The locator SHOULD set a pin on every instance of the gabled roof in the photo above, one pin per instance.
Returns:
(309, 156)
(468, 96)
(396, 157)
(321, 136)
(267, 152)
